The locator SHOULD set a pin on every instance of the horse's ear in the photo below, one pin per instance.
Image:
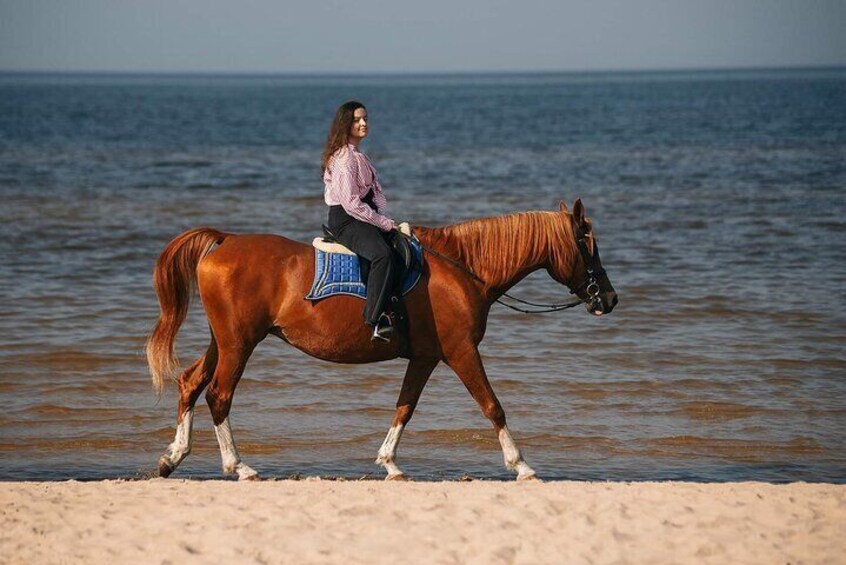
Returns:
(562, 207)
(579, 212)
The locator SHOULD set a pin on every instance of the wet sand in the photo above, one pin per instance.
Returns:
(319, 521)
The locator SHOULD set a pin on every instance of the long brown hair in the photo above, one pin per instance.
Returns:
(339, 132)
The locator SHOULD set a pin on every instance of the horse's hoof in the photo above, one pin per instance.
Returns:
(531, 477)
(398, 477)
(165, 468)
(243, 471)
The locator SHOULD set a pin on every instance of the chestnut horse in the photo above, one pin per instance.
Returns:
(254, 285)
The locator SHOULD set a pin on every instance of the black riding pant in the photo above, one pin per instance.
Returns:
(369, 243)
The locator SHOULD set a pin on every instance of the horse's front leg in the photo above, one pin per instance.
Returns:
(416, 376)
(468, 366)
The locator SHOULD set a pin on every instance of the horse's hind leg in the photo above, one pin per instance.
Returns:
(192, 381)
(468, 366)
(230, 367)
(416, 376)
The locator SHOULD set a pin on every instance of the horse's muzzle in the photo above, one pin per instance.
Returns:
(603, 304)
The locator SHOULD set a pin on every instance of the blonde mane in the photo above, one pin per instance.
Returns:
(493, 248)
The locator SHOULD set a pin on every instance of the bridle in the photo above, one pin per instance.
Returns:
(590, 285)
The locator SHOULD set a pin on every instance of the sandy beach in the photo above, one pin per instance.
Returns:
(321, 521)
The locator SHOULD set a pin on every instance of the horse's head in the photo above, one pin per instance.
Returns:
(582, 271)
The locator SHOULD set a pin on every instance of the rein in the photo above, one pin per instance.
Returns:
(590, 285)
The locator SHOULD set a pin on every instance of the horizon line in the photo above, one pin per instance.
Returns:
(477, 72)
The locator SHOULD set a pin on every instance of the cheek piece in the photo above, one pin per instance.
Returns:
(590, 286)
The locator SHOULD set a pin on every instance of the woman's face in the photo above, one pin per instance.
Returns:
(358, 129)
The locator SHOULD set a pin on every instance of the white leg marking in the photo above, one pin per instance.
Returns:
(229, 454)
(181, 446)
(388, 451)
(513, 458)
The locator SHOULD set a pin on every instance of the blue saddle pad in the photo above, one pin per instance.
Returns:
(339, 273)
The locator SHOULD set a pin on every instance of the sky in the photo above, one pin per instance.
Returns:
(346, 36)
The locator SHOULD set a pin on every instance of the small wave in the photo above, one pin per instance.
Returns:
(12, 387)
(48, 444)
(485, 439)
(259, 448)
(589, 393)
(746, 450)
(266, 384)
(511, 384)
(70, 359)
(798, 364)
(372, 382)
(601, 391)
(567, 442)
(55, 410)
(189, 163)
(832, 226)
(367, 410)
(306, 199)
(701, 385)
(720, 411)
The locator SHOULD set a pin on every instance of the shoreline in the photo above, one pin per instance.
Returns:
(328, 521)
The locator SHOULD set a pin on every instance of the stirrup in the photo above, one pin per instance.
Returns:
(383, 330)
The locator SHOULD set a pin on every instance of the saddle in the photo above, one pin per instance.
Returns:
(338, 270)
(404, 256)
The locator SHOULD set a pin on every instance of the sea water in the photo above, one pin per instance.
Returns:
(718, 199)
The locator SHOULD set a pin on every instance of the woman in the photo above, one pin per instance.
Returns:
(357, 210)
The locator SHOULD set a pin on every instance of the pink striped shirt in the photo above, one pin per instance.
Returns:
(348, 178)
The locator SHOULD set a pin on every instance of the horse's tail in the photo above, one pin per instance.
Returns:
(174, 279)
